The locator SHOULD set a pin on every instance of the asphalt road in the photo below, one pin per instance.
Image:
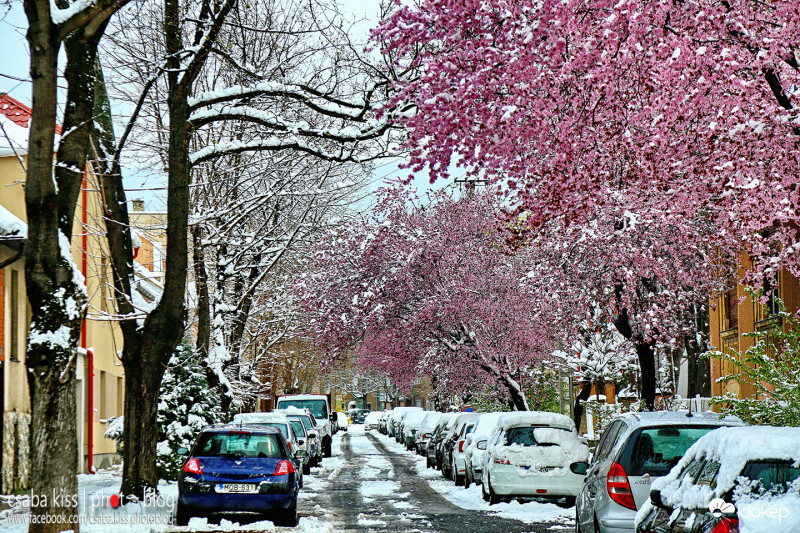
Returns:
(371, 484)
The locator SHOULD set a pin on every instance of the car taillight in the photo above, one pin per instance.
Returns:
(618, 487)
(461, 445)
(426, 436)
(289, 444)
(193, 467)
(499, 461)
(283, 468)
(727, 525)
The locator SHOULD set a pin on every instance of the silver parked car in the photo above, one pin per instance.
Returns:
(634, 450)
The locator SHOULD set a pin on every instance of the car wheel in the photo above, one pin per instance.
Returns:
(183, 515)
(566, 502)
(467, 480)
(596, 525)
(483, 491)
(493, 498)
(326, 447)
(307, 468)
(458, 480)
(427, 461)
(300, 484)
(287, 517)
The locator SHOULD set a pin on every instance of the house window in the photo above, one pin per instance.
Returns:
(120, 395)
(729, 310)
(772, 291)
(103, 398)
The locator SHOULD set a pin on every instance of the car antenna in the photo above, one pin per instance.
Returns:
(689, 414)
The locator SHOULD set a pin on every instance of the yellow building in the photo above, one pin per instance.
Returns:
(100, 388)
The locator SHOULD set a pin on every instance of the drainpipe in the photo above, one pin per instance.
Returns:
(89, 353)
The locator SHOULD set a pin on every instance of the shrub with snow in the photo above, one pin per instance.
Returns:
(186, 405)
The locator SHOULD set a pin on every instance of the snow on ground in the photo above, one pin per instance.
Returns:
(529, 512)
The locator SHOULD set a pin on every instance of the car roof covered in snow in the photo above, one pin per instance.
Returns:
(486, 424)
(536, 418)
(255, 418)
(229, 426)
(397, 412)
(656, 418)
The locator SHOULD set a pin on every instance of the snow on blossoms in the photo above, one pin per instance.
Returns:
(429, 290)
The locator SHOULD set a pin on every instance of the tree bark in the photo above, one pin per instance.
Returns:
(646, 355)
(147, 349)
(583, 395)
(55, 290)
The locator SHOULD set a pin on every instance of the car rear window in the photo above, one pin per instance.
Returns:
(299, 430)
(771, 476)
(655, 451)
(238, 444)
(526, 436)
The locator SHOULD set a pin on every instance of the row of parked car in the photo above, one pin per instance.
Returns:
(256, 463)
(680, 471)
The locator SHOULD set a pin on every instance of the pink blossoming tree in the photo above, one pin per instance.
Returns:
(661, 129)
(429, 291)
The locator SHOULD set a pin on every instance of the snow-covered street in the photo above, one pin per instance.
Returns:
(370, 484)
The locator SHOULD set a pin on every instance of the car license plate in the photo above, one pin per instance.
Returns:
(248, 488)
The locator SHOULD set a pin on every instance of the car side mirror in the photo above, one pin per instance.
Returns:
(584, 441)
(333, 416)
(301, 442)
(579, 467)
(655, 499)
(312, 435)
(482, 445)
(301, 453)
(183, 451)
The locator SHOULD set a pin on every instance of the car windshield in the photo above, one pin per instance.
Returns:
(299, 430)
(771, 476)
(237, 444)
(306, 423)
(318, 408)
(657, 450)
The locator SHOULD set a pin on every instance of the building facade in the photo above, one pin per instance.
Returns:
(734, 314)
(100, 385)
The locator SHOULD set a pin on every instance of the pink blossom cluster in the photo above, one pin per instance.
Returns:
(682, 113)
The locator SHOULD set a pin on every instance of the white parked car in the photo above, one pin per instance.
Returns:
(425, 431)
(281, 422)
(371, 422)
(411, 423)
(732, 479)
(475, 447)
(395, 418)
(529, 455)
(341, 421)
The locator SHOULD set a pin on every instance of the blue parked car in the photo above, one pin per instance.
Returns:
(239, 469)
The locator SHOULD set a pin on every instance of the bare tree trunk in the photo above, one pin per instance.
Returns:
(645, 352)
(55, 290)
(583, 395)
(147, 349)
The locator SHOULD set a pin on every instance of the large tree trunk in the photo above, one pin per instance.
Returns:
(646, 355)
(147, 349)
(583, 395)
(55, 290)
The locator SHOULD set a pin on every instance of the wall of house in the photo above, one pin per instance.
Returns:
(102, 335)
(728, 333)
(13, 332)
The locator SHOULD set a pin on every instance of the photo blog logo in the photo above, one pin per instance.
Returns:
(754, 510)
